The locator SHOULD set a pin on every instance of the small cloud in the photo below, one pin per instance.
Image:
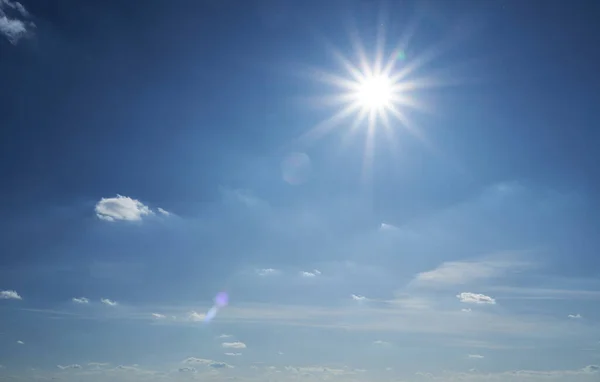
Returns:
(220, 365)
(121, 208)
(13, 26)
(575, 316)
(21, 342)
(197, 361)
(163, 212)
(97, 365)
(475, 298)
(234, 345)
(73, 366)
(267, 272)
(475, 356)
(195, 316)
(386, 227)
(233, 354)
(466, 310)
(225, 336)
(187, 370)
(9, 294)
(465, 272)
(357, 297)
(314, 273)
(108, 302)
(591, 369)
(380, 342)
(158, 316)
(206, 362)
(80, 300)
(279, 353)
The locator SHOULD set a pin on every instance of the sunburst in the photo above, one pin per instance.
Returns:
(374, 94)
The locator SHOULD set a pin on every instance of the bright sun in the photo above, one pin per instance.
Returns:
(374, 93)
(374, 96)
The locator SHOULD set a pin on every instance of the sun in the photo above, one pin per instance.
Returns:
(375, 92)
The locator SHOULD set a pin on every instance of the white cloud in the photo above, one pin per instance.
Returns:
(385, 226)
(233, 354)
(574, 316)
(464, 272)
(163, 212)
(267, 271)
(73, 366)
(108, 302)
(158, 316)
(357, 297)
(225, 336)
(206, 362)
(21, 342)
(121, 208)
(97, 365)
(195, 316)
(13, 26)
(475, 356)
(585, 374)
(220, 365)
(80, 300)
(314, 273)
(466, 310)
(475, 298)
(234, 345)
(9, 295)
(380, 342)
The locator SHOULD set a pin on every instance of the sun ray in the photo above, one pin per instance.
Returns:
(325, 126)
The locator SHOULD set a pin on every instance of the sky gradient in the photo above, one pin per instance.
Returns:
(155, 154)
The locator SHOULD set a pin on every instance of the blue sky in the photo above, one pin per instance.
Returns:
(154, 154)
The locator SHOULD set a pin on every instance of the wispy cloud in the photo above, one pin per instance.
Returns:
(206, 362)
(267, 272)
(574, 316)
(20, 342)
(380, 342)
(163, 211)
(158, 316)
(9, 295)
(234, 345)
(108, 302)
(357, 297)
(195, 316)
(121, 208)
(80, 300)
(14, 26)
(66, 367)
(225, 336)
(476, 356)
(475, 298)
(465, 272)
(233, 354)
(314, 273)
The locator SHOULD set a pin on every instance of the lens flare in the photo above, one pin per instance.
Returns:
(221, 301)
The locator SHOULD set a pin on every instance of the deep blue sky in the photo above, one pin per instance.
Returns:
(110, 110)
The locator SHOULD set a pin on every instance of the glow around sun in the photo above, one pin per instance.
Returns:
(371, 94)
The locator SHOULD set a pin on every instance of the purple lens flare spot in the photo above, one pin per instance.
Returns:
(222, 299)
